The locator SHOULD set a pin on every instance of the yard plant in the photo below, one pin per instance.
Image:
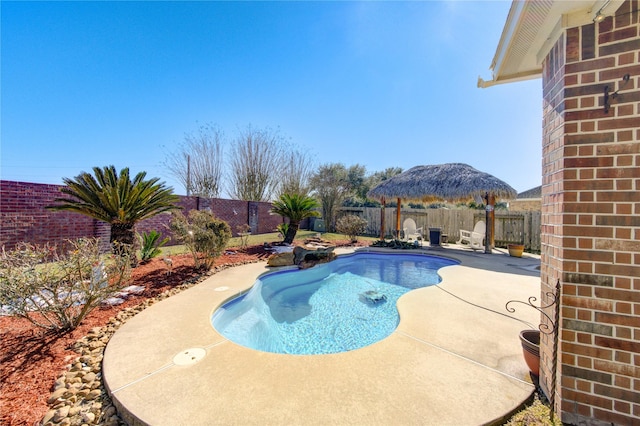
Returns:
(204, 235)
(117, 199)
(56, 290)
(150, 243)
(351, 226)
(295, 207)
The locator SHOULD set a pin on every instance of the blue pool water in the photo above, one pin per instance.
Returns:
(334, 307)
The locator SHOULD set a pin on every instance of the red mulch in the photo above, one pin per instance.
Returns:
(31, 359)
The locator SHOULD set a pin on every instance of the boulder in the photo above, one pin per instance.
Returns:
(280, 259)
(317, 255)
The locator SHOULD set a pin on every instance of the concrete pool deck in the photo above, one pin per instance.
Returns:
(455, 358)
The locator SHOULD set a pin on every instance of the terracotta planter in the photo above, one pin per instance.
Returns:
(530, 340)
(515, 250)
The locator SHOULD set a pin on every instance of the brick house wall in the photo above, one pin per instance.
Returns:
(591, 219)
(24, 218)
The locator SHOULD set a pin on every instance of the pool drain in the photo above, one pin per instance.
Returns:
(189, 356)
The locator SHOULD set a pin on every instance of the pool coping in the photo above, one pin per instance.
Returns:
(440, 340)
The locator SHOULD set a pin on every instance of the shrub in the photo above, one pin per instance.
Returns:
(150, 244)
(351, 225)
(205, 235)
(57, 291)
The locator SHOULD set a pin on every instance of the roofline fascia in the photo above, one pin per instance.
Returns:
(514, 19)
(483, 84)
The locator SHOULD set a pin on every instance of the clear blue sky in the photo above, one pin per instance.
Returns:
(382, 84)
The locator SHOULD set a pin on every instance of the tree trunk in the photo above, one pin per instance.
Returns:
(123, 241)
(291, 232)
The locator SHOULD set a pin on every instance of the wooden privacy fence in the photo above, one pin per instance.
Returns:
(510, 227)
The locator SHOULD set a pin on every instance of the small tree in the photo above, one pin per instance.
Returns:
(296, 208)
(351, 226)
(294, 174)
(198, 162)
(331, 186)
(56, 291)
(205, 235)
(256, 156)
(117, 199)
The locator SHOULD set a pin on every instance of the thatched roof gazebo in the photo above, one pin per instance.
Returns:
(452, 182)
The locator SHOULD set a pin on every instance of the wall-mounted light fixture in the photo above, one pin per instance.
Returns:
(608, 97)
(599, 16)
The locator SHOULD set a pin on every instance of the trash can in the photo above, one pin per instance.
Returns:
(434, 236)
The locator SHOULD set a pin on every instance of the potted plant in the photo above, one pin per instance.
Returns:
(530, 341)
(515, 250)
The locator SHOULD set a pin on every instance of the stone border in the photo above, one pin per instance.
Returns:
(79, 396)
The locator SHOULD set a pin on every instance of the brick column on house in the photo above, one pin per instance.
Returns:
(591, 219)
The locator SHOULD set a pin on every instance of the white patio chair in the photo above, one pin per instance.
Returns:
(410, 230)
(475, 238)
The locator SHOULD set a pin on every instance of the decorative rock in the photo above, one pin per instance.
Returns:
(88, 378)
(96, 344)
(302, 254)
(58, 393)
(95, 393)
(88, 417)
(61, 413)
(48, 416)
(110, 411)
(280, 259)
(74, 411)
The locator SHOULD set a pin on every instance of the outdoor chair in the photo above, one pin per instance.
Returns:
(410, 230)
(475, 238)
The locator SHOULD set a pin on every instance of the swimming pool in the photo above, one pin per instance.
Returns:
(334, 307)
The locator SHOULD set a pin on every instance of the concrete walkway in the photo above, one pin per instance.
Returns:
(455, 358)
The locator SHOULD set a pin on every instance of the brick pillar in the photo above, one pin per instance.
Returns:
(591, 218)
(553, 175)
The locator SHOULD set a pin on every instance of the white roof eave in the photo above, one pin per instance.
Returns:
(531, 30)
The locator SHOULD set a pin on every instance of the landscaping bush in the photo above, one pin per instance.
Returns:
(56, 291)
(150, 244)
(351, 226)
(203, 233)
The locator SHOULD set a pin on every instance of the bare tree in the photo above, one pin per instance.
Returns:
(295, 174)
(198, 163)
(255, 164)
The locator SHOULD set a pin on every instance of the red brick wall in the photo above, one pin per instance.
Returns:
(23, 216)
(591, 218)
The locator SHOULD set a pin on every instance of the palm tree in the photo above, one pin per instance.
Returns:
(116, 199)
(296, 208)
